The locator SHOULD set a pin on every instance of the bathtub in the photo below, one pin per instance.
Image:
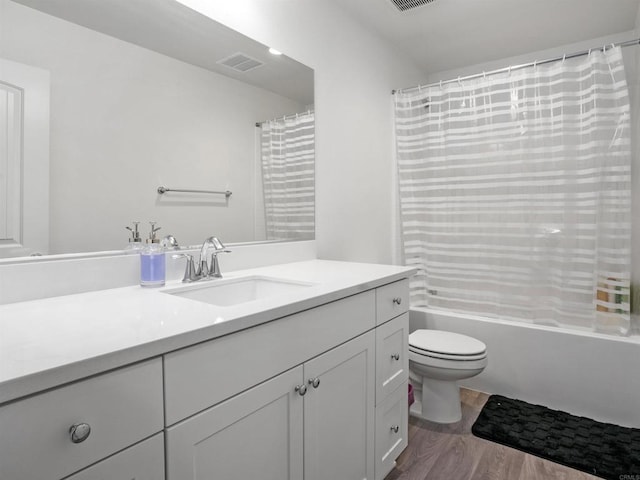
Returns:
(582, 373)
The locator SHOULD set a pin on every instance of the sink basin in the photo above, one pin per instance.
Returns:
(224, 293)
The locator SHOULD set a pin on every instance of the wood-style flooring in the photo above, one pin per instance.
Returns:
(451, 452)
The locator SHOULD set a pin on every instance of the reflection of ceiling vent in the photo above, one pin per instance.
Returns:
(403, 5)
(240, 62)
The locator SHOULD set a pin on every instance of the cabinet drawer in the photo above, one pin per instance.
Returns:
(392, 359)
(121, 408)
(204, 375)
(144, 461)
(392, 300)
(392, 429)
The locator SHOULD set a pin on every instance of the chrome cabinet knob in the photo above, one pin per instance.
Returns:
(395, 356)
(315, 382)
(301, 389)
(395, 428)
(397, 300)
(79, 432)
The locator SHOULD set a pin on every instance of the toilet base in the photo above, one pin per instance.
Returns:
(442, 401)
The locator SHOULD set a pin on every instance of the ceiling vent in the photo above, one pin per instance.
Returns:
(240, 62)
(404, 5)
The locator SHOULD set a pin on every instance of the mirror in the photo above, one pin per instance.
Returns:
(146, 94)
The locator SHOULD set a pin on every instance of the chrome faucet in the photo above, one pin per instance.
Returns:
(194, 273)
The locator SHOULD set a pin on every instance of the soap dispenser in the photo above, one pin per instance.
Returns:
(152, 261)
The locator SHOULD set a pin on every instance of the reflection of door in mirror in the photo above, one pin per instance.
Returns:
(24, 160)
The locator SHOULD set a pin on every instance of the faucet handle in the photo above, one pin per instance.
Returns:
(215, 266)
(190, 274)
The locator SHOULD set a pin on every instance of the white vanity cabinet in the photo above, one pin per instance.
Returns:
(314, 421)
(54, 434)
(295, 398)
(312, 392)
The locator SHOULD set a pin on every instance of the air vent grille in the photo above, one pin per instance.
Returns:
(240, 62)
(404, 5)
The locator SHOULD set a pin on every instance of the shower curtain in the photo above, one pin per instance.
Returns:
(515, 193)
(288, 176)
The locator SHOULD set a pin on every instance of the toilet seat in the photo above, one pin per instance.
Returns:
(446, 345)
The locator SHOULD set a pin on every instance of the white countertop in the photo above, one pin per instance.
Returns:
(48, 342)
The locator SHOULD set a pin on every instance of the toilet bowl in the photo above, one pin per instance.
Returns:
(437, 360)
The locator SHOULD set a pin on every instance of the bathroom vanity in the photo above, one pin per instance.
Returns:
(307, 382)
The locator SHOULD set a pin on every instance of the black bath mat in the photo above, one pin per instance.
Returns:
(601, 449)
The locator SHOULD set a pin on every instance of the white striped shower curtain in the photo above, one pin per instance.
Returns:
(288, 177)
(515, 193)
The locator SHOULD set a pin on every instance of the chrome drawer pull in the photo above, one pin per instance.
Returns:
(301, 389)
(395, 428)
(79, 432)
(315, 382)
(397, 300)
(395, 356)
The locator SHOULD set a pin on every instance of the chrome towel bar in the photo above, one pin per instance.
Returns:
(162, 190)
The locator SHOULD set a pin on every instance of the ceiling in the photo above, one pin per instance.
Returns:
(448, 34)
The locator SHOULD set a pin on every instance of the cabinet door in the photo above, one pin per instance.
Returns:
(256, 434)
(339, 412)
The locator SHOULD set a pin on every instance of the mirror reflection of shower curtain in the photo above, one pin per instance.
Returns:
(288, 176)
(515, 193)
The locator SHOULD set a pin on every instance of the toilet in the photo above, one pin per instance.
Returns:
(437, 360)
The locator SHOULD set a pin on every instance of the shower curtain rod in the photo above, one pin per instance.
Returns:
(286, 117)
(628, 43)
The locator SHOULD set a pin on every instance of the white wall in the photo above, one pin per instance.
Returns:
(355, 72)
(125, 120)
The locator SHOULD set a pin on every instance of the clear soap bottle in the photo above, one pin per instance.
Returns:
(152, 261)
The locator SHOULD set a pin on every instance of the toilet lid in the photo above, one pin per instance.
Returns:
(447, 343)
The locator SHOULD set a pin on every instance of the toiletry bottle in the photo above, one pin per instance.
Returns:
(135, 242)
(152, 261)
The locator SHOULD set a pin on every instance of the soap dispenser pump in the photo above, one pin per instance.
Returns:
(152, 261)
(135, 242)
